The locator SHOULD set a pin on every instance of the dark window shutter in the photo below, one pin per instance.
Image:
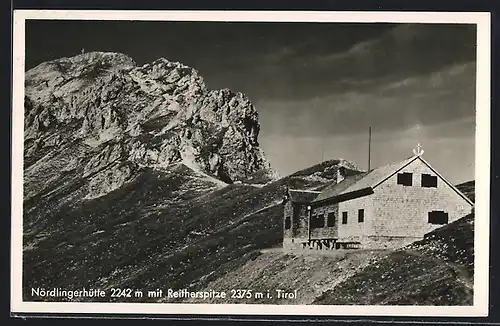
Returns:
(429, 181)
(405, 179)
(438, 217)
(331, 219)
(321, 220)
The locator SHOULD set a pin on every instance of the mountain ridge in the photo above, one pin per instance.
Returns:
(154, 115)
(142, 178)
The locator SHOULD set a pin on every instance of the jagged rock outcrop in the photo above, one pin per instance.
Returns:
(155, 115)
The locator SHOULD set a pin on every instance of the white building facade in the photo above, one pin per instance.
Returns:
(388, 207)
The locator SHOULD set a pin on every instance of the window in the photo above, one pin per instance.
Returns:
(429, 181)
(313, 221)
(438, 217)
(405, 179)
(330, 219)
(361, 215)
(344, 217)
(321, 221)
(288, 223)
(317, 221)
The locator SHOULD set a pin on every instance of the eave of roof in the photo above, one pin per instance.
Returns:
(302, 196)
(363, 184)
(447, 182)
(336, 189)
(367, 180)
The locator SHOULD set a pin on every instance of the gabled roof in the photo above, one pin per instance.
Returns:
(302, 196)
(373, 178)
(336, 189)
(355, 183)
(447, 182)
(363, 181)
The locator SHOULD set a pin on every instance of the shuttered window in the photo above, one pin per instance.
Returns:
(405, 179)
(429, 181)
(438, 217)
(317, 221)
(321, 221)
(330, 219)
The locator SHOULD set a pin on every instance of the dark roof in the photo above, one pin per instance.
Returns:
(302, 196)
(336, 189)
(362, 181)
(366, 180)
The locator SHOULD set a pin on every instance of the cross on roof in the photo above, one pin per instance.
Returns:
(419, 150)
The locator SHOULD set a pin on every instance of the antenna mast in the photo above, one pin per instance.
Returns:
(323, 132)
(369, 147)
(323, 135)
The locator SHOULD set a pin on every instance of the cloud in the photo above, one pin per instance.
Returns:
(443, 143)
(436, 110)
(456, 75)
(407, 40)
(446, 95)
(405, 51)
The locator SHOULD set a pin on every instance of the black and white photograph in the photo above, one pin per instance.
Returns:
(260, 165)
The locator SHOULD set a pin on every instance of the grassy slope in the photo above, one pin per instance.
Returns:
(159, 232)
(310, 273)
(468, 189)
(435, 271)
(152, 233)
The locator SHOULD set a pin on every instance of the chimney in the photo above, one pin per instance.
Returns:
(340, 174)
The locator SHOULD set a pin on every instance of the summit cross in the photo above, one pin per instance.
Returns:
(419, 150)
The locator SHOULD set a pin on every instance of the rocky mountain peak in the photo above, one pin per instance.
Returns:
(155, 115)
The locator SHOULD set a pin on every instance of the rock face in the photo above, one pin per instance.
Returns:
(111, 116)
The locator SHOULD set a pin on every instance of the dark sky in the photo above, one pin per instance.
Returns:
(317, 86)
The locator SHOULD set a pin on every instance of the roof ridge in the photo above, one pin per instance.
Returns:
(312, 191)
(395, 162)
(452, 186)
(365, 180)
